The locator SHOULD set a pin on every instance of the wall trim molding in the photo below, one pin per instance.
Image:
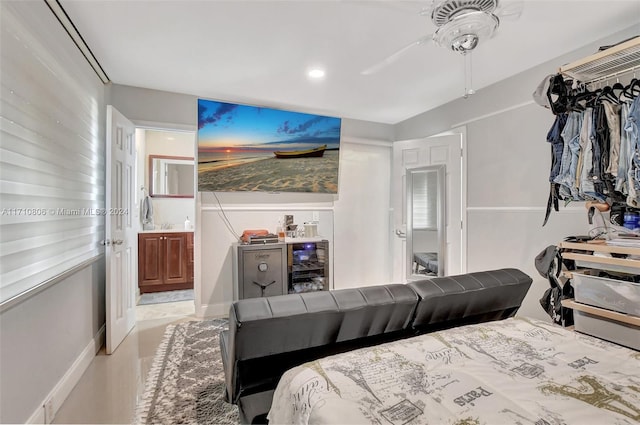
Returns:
(63, 388)
(364, 141)
(156, 125)
(23, 296)
(213, 310)
(265, 208)
(498, 112)
(568, 210)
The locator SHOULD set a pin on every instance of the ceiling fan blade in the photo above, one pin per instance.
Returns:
(510, 10)
(395, 56)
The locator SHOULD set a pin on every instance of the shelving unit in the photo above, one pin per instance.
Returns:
(608, 63)
(601, 312)
(602, 322)
(587, 260)
(609, 317)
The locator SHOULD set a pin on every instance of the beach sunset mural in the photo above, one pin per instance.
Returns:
(250, 148)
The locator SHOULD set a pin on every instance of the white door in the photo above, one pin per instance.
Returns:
(121, 242)
(440, 149)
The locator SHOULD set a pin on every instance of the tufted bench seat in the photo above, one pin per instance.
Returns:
(268, 336)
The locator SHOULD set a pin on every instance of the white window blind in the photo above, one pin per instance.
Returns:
(425, 201)
(51, 151)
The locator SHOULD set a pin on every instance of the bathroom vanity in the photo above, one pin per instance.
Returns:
(165, 260)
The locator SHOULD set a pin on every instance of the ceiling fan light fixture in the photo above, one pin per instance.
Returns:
(464, 31)
(464, 43)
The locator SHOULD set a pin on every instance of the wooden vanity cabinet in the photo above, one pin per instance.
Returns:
(165, 261)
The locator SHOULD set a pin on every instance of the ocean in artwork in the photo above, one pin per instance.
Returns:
(208, 161)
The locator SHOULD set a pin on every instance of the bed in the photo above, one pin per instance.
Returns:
(515, 370)
(426, 263)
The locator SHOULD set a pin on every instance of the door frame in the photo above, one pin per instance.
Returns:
(398, 233)
(142, 174)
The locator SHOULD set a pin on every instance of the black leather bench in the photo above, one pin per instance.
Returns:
(268, 336)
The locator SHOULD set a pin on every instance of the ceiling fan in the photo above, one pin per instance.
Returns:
(461, 24)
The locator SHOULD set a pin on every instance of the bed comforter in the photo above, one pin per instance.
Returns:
(515, 371)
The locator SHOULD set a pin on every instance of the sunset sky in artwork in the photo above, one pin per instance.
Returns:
(227, 127)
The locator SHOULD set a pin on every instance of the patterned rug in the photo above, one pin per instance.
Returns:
(186, 381)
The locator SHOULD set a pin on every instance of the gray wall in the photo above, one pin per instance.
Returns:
(507, 171)
(42, 336)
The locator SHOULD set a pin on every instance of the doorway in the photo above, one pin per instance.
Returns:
(166, 220)
(446, 149)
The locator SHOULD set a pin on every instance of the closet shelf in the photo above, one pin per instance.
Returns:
(605, 64)
(601, 312)
(588, 260)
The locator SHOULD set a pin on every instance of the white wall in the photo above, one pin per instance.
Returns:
(46, 340)
(171, 211)
(356, 224)
(216, 241)
(362, 217)
(507, 172)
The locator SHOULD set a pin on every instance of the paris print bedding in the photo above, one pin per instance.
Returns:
(517, 371)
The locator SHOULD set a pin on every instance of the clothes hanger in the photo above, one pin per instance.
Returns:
(619, 88)
(589, 97)
(576, 100)
(635, 87)
(607, 95)
(632, 90)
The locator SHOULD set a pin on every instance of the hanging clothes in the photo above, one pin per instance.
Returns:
(595, 146)
(613, 120)
(571, 138)
(633, 175)
(622, 183)
(554, 137)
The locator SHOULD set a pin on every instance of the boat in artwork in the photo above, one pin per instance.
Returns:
(308, 153)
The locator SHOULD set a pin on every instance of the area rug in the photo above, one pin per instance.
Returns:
(186, 381)
(166, 297)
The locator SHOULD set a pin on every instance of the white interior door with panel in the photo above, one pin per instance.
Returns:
(440, 149)
(120, 231)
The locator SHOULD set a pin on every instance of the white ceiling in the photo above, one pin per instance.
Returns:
(258, 51)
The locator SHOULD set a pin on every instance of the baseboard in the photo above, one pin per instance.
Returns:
(51, 404)
(213, 310)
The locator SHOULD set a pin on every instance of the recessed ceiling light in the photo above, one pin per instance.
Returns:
(316, 73)
(171, 138)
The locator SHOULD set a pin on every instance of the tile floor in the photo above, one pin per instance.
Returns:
(109, 389)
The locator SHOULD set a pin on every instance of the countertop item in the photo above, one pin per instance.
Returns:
(166, 231)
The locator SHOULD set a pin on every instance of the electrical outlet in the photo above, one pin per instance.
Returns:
(48, 411)
(315, 216)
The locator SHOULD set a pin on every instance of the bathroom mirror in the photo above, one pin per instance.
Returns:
(425, 221)
(171, 176)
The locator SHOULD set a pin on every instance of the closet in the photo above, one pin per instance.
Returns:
(594, 139)
(596, 158)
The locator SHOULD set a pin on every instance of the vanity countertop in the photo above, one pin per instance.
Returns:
(166, 231)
